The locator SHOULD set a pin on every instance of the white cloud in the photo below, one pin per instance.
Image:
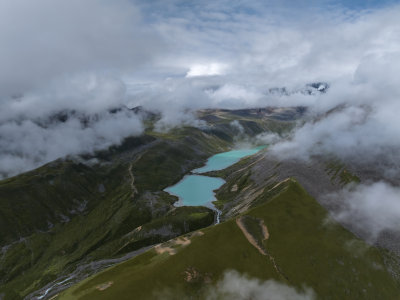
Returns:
(364, 129)
(47, 39)
(237, 286)
(94, 55)
(263, 50)
(211, 69)
(234, 285)
(370, 209)
(27, 144)
(66, 57)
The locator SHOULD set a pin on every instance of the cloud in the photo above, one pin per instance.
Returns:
(237, 286)
(267, 138)
(27, 144)
(370, 209)
(67, 58)
(69, 117)
(356, 121)
(236, 125)
(89, 93)
(176, 57)
(171, 119)
(259, 50)
(206, 70)
(234, 285)
(47, 39)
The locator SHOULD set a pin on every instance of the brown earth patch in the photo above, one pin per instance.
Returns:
(103, 286)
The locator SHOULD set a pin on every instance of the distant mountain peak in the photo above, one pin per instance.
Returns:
(313, 88)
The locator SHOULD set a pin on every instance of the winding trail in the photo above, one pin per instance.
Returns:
(132, 181)
(258, 243)
(252, 240)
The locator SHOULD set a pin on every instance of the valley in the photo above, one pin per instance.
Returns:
(106, 228)
(199, 150)
(76, 212)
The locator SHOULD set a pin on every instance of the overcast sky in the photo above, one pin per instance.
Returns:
(85, 57)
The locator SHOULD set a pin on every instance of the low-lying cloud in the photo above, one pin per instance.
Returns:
(67, 58)
(92, 56)
(27, 144)
(241, 287)
(234, 285)
(356, 121)
(370, 209)
(70, 117)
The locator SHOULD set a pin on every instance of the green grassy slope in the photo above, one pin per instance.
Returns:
(67, 214)
(52, 195)
(303, 250)
(34, 200)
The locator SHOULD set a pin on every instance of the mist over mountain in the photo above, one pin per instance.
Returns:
(158, 61)
(163, 64)
(97, 88)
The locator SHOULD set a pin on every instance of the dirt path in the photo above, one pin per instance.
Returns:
(170, 246)
(103, 286)
(180, 241)
(250, 237)
(132, 181)
(258, 244)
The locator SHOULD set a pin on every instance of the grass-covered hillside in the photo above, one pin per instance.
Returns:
(75, 216)
(289, 238)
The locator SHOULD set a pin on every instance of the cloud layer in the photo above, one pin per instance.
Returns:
(66, 57)
(356, 121)
(46, 39)
(26, 144)
(176, 57)
(234, 285)
(237, 286)
(370, 209)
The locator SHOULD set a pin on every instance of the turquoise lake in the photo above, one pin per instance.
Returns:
(225, 159)
(197, 190)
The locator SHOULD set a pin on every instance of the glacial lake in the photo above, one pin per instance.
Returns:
(197, 190)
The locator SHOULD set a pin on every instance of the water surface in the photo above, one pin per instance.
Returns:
(197, 190)
(225, 159)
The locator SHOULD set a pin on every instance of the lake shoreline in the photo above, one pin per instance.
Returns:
(195, 189)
